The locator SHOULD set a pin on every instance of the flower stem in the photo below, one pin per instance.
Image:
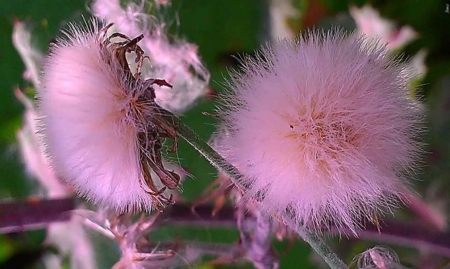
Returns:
(323, 250)
(210, 154)
(317, 243)
(220, 163)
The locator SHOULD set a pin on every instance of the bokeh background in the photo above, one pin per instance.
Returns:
(224, 29)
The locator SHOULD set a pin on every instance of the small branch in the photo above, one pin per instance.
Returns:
(406, 233)
(183, 215)
(18, 216)
(215, 249)
(188, 252)
(411, 234)
(430, 215)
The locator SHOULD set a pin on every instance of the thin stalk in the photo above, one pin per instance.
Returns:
(318, 244)
(220, 163)
(210, 154)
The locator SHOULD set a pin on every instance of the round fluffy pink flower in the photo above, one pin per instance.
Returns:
(96, 120)
(322, 128)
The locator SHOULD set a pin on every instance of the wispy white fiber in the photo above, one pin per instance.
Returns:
(176, 60)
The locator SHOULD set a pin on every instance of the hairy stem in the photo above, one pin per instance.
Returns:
(210, 154)
(220, 163)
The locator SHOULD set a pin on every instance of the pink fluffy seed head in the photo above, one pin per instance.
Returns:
(85, 103)
(322, 128)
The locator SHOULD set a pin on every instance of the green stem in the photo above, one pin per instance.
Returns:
(210, 154)
(220, 163)
(317, 243)
(322, 248)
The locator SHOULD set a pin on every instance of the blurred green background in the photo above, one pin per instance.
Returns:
(223, 29)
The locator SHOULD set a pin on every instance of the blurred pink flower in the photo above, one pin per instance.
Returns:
(33, 156)
(31, 148)
(31, 57)
(282, 13)
(322, 128)
(369, 22)
(74, 245)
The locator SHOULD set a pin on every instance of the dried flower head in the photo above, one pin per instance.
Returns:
(102, 128)
(173, 59)
(322, 128)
